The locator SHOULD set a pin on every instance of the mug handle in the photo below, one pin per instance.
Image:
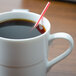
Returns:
(63, 55)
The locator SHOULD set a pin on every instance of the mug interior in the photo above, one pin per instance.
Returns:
(25, 15)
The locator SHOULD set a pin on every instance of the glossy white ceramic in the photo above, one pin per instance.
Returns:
(28, 57)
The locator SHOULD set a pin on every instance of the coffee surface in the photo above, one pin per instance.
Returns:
(20, 29)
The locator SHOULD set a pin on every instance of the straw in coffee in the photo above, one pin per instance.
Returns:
(43, 12)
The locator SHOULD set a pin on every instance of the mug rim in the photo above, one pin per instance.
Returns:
(32, 38)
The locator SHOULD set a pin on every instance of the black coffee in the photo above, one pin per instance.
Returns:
(20, 29)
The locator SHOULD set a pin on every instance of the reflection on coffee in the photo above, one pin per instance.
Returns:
(20, 29)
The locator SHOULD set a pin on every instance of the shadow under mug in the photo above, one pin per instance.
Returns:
(28, 57)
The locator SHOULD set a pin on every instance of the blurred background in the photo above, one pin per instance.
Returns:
(67, 0)
(62, 16)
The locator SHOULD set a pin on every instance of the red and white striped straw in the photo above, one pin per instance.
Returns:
(43, 12)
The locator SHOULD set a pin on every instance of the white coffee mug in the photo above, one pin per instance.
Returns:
(28, 57)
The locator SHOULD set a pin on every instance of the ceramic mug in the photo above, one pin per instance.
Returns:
(28, 57)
